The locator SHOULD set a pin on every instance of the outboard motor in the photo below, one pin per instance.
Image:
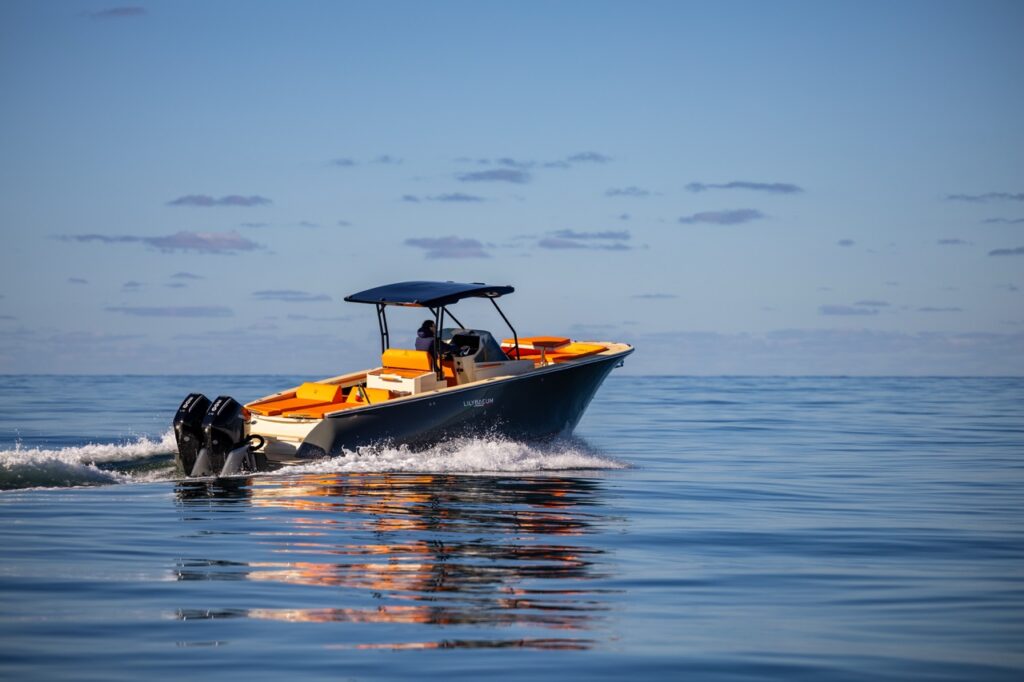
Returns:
(223, 431)
(188, 430)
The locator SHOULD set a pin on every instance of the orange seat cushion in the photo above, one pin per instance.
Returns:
(401, 358)
(583, 348)
(538, 341)
(324, 393)
(275, 407)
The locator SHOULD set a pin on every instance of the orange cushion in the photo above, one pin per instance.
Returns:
(275, 407)
(323, 393)
(401, 358)
(548, 341)
(376, 395)
(583, 348)
(404, 373)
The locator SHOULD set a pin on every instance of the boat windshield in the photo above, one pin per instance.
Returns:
(476, 339)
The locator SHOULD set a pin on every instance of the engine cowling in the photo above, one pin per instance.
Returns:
(223, 429)
(188, 430)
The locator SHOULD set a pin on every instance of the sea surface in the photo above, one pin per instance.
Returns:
(694, 528)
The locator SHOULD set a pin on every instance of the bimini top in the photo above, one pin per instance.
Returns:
(427, 294)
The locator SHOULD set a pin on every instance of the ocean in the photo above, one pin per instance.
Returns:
(707, 528)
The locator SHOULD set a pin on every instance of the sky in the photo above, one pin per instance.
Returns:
(752, 188)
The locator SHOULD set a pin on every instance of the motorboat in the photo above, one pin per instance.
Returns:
(467, 384)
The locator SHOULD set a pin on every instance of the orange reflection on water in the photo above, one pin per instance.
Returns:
(433, 550)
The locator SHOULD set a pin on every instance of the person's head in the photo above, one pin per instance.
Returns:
(428, 325)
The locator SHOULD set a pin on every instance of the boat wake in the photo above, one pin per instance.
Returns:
(143, 459)
(147, 460)
(464, 456)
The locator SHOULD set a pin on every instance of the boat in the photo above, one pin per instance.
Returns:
(468, 384)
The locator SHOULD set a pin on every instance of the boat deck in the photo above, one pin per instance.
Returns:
(314, 400)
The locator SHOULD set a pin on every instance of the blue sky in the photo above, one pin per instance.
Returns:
(736, 187)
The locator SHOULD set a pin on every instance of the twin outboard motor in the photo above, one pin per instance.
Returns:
(211, 438)
(188, 430)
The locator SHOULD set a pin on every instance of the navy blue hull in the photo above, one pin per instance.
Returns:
(538, 405)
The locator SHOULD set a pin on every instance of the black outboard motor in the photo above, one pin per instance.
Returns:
(223, 431)
(188, 430)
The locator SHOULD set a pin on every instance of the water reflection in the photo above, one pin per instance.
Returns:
(472, 552)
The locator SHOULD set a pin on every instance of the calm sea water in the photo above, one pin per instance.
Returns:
(698, 528)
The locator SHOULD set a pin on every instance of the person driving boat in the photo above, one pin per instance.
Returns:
(425, 339)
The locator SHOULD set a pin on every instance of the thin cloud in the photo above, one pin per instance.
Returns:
(728, 217)
(200, 242)
(172, 311)
(456, 197)
(624, 216)
(528, 164)
(588, 157)
(453, 198)
(388, 160)
(845, 242)
(254, 225)
(932, 309)
(343, 162)
(873, 304)
(449, 247)
(77, 280)
(1019, 251)
(771, 187)
(630, 191)
(125, 12)
(131, 285)
(513, 175)
(846, 310)
(206, 201)
(561, 243)
(515, 163)
(606, 234)
(203, 242)
(344, 223)
(289, 296)
(176, 285)
(987, 196)
(655, 297)
(952, 242)
(186, 275)
(1003, 221)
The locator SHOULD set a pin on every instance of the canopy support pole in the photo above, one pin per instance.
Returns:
(449, 314)
(514, 335)
(382, 322)
(438, 326)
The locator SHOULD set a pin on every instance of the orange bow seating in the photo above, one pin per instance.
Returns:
(307, 395)
(527, 342)
(575, 350)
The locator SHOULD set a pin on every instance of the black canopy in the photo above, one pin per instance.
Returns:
(427, 294)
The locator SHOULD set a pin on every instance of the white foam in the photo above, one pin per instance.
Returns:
(462, 456)
(77, 465)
